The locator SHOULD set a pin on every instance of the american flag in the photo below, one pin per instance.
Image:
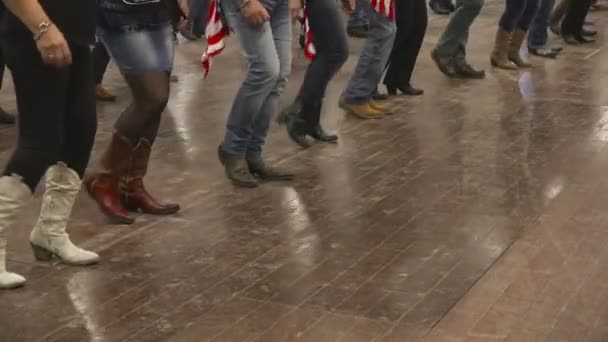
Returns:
(384, 7)
(309, 47)
(215, 33)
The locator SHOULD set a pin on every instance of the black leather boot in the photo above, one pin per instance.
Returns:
(317, 132)
(302, 121)
(297, 128)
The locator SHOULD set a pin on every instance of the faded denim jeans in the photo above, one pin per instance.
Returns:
(539, 35)
(453, 42)
(359, 17)
(373, 59)
(268, 51)
(199, 12)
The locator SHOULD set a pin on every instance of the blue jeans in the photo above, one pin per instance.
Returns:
(331, 44)
(538, 36)
(453, 42)
(359, 17)
(138, 52)
(373, 59)
(518, 14)
(268, 50)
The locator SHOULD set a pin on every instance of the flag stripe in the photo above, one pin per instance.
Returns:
(215, 33)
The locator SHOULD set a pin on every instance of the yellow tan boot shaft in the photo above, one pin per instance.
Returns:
(517, 39)
(500, 54)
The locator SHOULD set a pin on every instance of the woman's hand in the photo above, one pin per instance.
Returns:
(51, 44)
(53, 48)
(182, 24)
(255, 13)
(295, 8)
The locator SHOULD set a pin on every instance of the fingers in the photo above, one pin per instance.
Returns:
(258, 17)
(263, 16)
(67, 55)
(58, 56)
(258, 20)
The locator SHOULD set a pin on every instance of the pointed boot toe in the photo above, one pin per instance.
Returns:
(10, 280)
(106, 193)
(319, 134)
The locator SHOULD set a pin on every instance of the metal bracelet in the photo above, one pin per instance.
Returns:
(41, 29)
(244, 3)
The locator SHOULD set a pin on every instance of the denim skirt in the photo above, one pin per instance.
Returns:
(141, 51)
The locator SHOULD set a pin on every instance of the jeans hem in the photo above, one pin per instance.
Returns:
(357, 101)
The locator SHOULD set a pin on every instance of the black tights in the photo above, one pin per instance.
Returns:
(57, 115)
(102, 59)
(141, 119)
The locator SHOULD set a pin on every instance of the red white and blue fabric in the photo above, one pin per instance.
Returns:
(385, 8)
(216, 34)
(309, 47)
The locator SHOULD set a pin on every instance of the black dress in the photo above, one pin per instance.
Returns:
(74, 18)
(57, 115)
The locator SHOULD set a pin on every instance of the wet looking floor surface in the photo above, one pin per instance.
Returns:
(477, 213)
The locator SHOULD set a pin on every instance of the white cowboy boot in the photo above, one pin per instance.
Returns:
(49, 237)
(13, 196)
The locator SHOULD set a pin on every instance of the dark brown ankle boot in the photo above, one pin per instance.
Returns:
(268, 173)
(104, 185)
(236, 169)
(133, 193)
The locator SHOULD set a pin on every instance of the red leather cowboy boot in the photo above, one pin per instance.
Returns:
(133, 193)
(104, 185)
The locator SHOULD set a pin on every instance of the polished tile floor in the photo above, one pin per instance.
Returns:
(477, 213)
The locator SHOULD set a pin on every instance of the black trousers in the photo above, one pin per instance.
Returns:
(2, 67)
(411, 19)
(331, 45)
(101, 59)
(444, 3)
(573, 22)
(57, 115)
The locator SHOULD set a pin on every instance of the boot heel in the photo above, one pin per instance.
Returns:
(41, 254)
